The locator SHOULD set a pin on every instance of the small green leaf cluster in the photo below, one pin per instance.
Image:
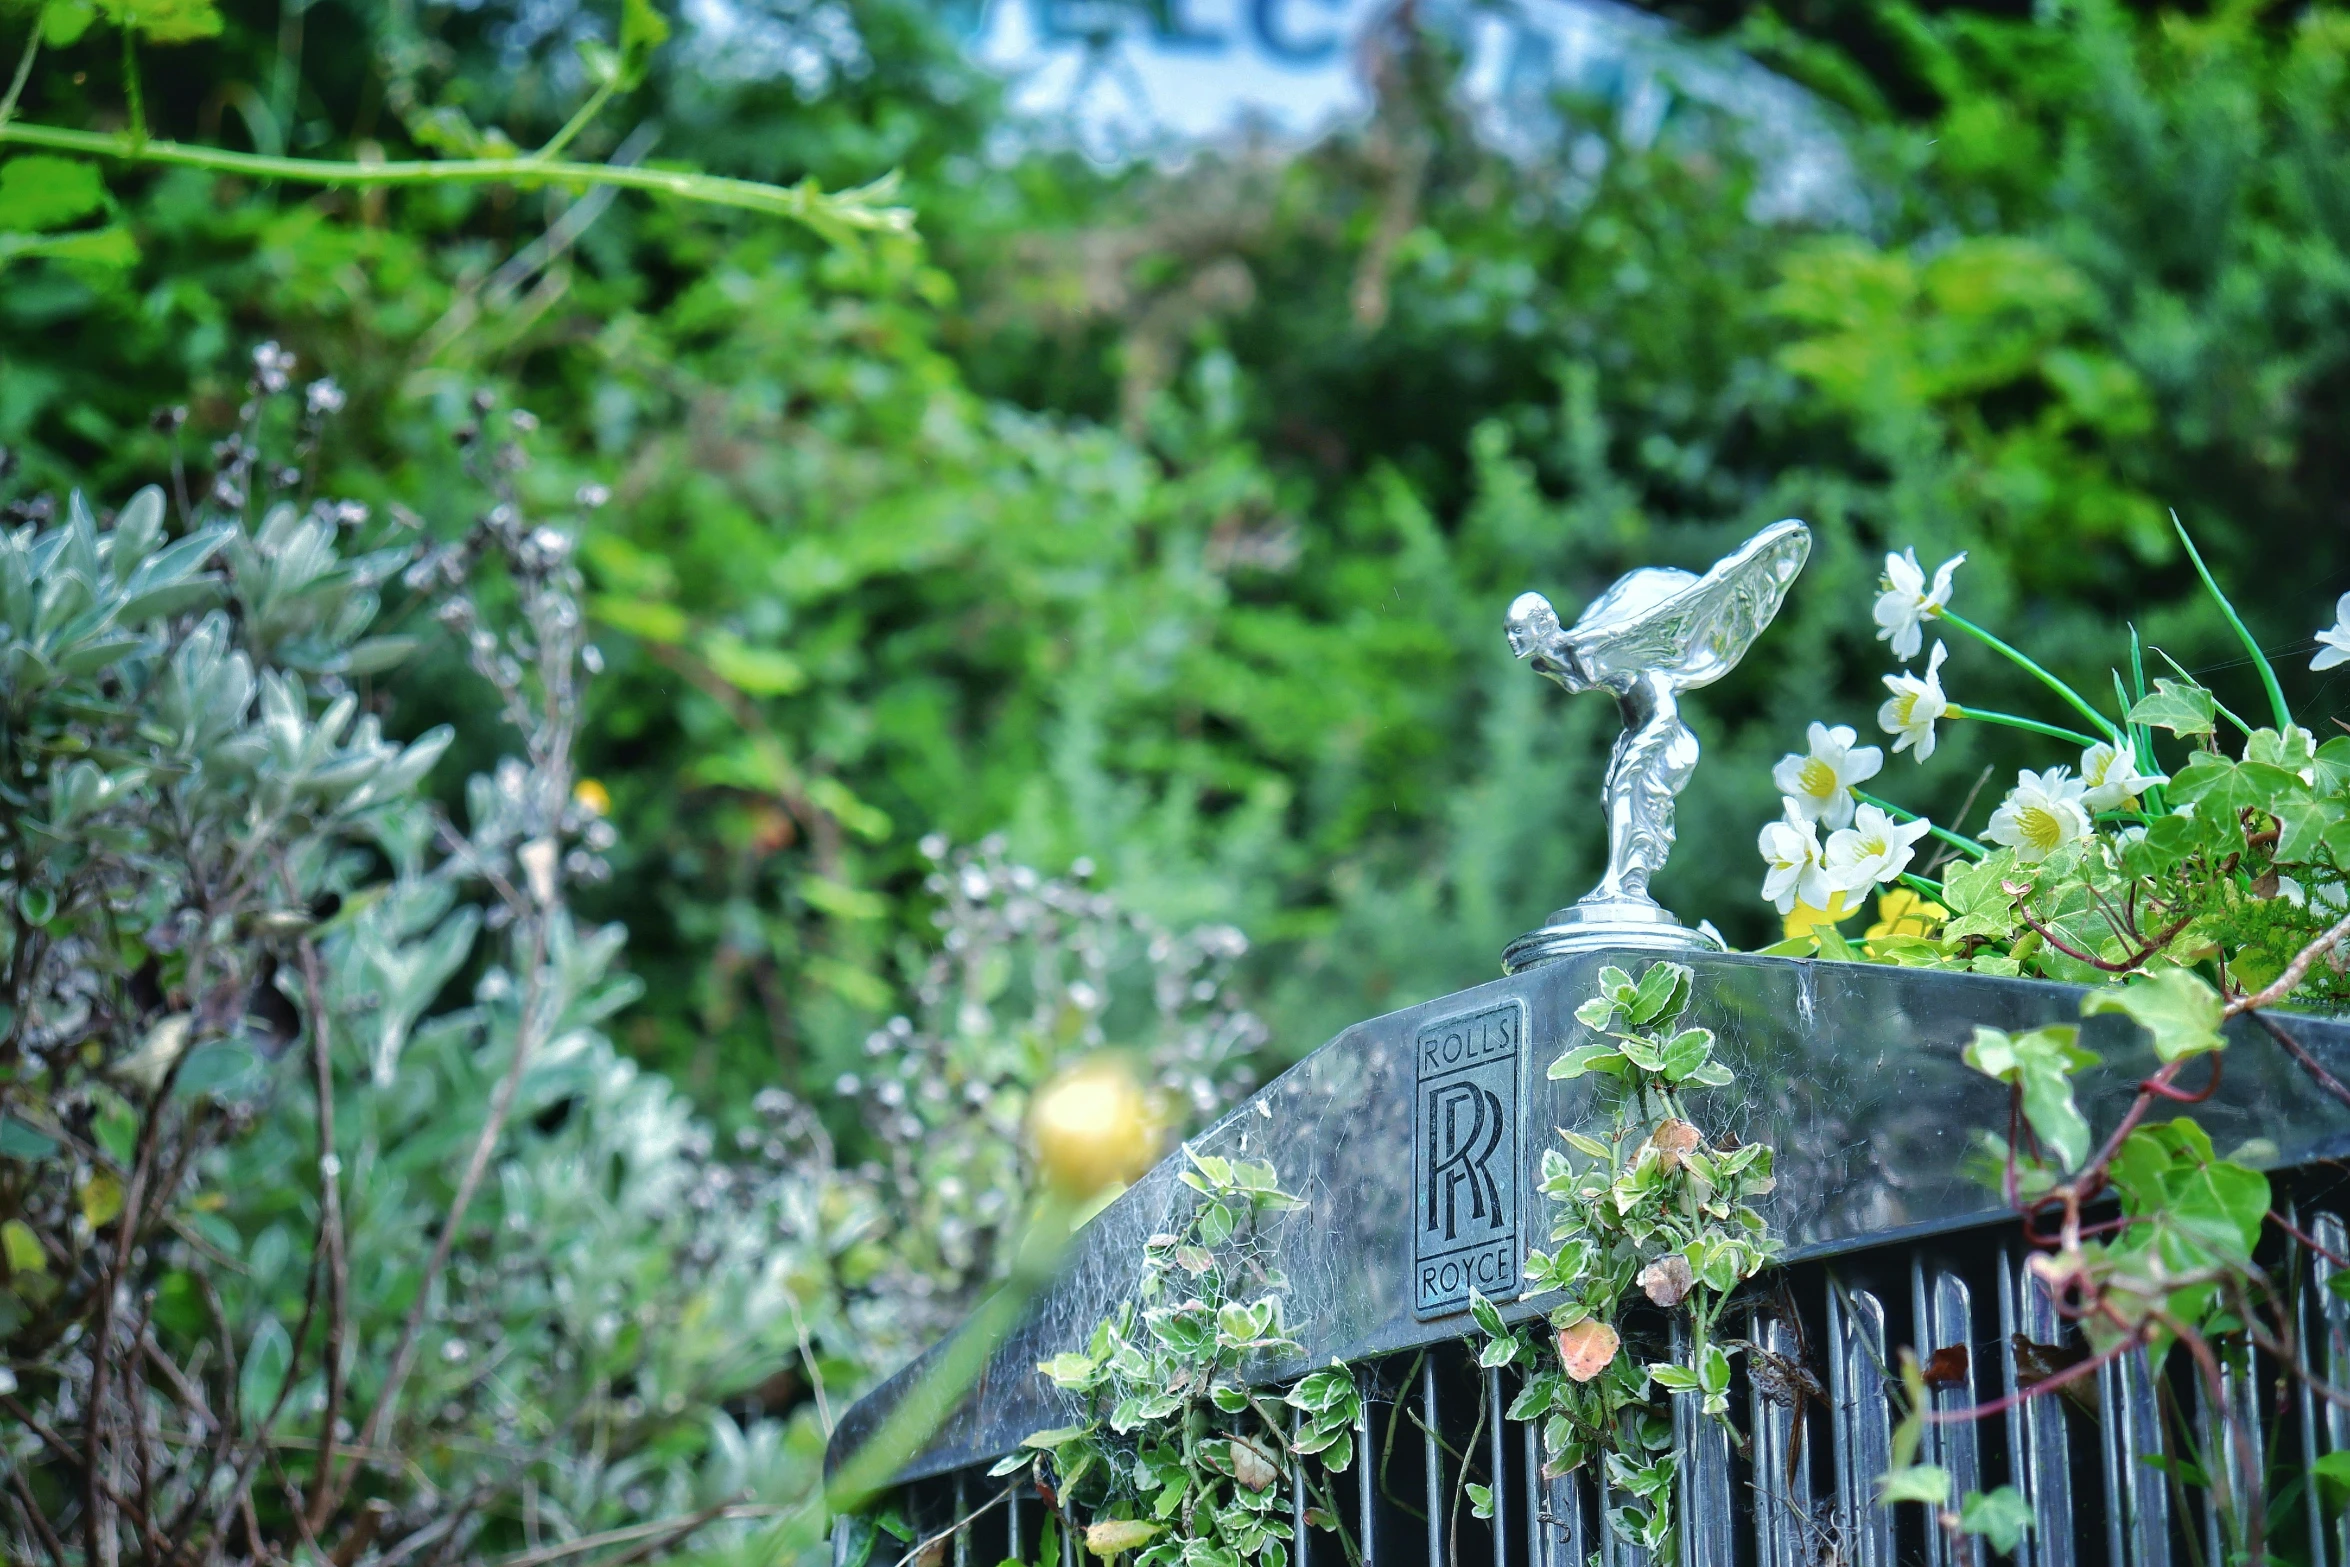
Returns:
(2182, 1254)
(1651, 1210)
(2000, 1516)
(1181, 1457)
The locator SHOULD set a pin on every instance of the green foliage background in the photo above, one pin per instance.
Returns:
(1166, 518)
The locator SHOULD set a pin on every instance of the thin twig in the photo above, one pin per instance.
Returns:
(24, 72)
(32, 1506)
(404, 1357)
(330, 1226)
(641, 1531)
(2295, 972)
(97, 1524)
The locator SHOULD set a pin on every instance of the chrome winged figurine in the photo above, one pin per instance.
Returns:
(1654, 634)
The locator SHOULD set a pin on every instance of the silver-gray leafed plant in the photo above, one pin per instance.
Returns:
(331, 1227)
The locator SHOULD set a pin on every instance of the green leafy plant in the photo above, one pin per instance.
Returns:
(1651, 1210)
(2184, 898)
(298, 1246)
(1177, 1457)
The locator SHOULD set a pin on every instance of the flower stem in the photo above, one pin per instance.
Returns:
(1925, 885)
(580, 121)
(858, 208)
(2054, 731)
(24, 71)
(2218, 706)
(2268, 676)
(1955, 840)
(2079, 702)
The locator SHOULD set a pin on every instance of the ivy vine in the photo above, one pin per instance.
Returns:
(1179, 1459)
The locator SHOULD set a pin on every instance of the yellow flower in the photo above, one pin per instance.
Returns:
(1803, 917)
(1093, 1128)
(592, 797)
(1901, 912)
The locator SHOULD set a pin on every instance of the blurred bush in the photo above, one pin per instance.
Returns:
(333, 1221)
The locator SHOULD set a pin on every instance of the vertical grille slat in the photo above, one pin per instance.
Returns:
(2327, 1333)
(1301, 1550)
(1434, 1453)
(1782, 1507)
(1863, 1420)
(2047, 1459)
(1539, 1529)
(1945, 1316)
(1704, 1472)
(1366, 1461)
(1792, 1481)
(1498, 1455)
(2138, 1425)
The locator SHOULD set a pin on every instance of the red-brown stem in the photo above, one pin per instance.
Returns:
(2216, 1389)
(2287, 1225)
(2308, 1063)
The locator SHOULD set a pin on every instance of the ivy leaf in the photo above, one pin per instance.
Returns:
(1595, 1012)
(1673, 1378)
(642, 30)
(22, 1248)
(1071, 1371)
(101, 1200)
(2042, 1063)
(2288, 750)
(1487, 1314)
(2178, 1008)
(165, 21)
(2182, 708)
(1713, 1369)
(1588, 1058)
(2000, 1517)
(1927, 1483)
(1685, 1052)
(1663, 990)
(264, 1371)
(1115, 1536)
(64, 21)
(2305, 826)
(39, 192)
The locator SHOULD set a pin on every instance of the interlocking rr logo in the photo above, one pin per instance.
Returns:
(1458, 1158)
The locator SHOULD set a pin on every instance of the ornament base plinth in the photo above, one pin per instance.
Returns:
(1639, 924)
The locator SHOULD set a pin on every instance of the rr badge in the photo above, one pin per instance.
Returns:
(1465, 1159)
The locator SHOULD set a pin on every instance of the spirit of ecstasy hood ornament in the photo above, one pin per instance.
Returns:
(1656, 633)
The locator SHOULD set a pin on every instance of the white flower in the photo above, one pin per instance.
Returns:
(1916, 706)
(1820, 784)
(2110, 778)
(1906, 602)
(1797, 873)
(2040, 815)
(2337, 641)
(1873, 850)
